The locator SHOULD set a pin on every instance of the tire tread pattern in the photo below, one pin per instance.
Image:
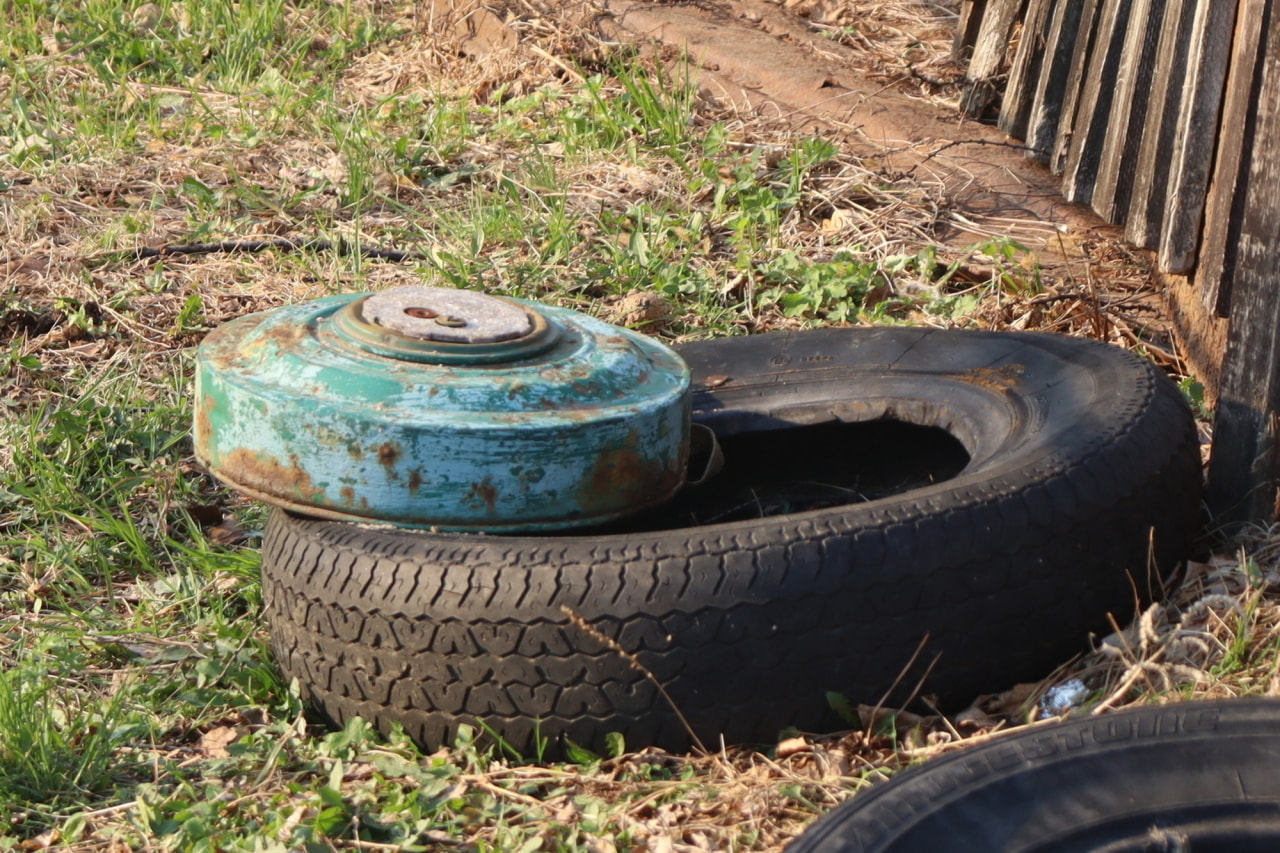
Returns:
(1109, 782)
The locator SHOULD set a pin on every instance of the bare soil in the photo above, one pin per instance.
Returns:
(881, 80)
(896, 110)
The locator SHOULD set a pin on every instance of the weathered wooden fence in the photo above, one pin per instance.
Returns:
(1164, 117)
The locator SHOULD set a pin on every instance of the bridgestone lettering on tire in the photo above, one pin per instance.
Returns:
(1081, 489)
(1198, 777)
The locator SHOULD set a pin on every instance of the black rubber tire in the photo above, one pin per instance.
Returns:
(1083, 484)
(1199, 777)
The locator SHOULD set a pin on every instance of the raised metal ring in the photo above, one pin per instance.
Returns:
(349, 324)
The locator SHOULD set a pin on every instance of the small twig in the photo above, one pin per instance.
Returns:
(102, 812)
(639, 667)
(954, 143)
(296, 729)
(499, 791)
(360, 844)
(1169, 358)
(560, 63)
(875, 712)
(946, 722)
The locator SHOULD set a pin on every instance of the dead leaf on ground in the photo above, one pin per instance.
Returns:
(792, 746)
(1011, 703)
(43, 841)
(228, 533)
(214, 742)
(26, 265)
(839, 220)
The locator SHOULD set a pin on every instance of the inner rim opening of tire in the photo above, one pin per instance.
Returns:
(810, 466)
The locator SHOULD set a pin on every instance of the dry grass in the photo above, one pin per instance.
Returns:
(903, 42)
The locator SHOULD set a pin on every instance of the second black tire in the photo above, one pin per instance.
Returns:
(1079, 488)
(1198, 777)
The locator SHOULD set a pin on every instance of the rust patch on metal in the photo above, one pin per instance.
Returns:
(221, 346)
(281, 337)
(204, 429)
(624, 471)
(999, 379)
(388, 453)
(485, 491)
(415, 480)
(267, 473)
(348, 495)
(285, 335)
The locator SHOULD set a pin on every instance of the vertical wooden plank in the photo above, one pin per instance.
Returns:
(1051, 88)
(971, 14)
(1202, 337)
(1147, 201)
(1019, 92)
(1125, 124)
(1243, 470)
(1090, 130)
(1225, 205)
(1081, 60)
(989, 55)
(1210, 55)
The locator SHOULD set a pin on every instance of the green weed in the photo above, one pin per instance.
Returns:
(1193, 391)
(60, 736)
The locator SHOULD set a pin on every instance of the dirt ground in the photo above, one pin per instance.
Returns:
(881, 79)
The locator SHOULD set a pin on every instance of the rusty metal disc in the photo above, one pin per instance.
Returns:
(515, 417)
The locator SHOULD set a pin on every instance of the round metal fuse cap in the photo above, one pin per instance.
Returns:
(453, 316)
(431, 407)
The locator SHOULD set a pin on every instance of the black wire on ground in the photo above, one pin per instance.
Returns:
(342, 247)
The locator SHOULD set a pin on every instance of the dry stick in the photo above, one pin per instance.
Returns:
(499, 791)
(360, 844)
(1014, 145)
(103, 812)
(1154, 581)
(639, 667)
(875, 712)
(951, 728)
(975, 740)
(564, 66)
(1135, 670)
(1095, 304)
